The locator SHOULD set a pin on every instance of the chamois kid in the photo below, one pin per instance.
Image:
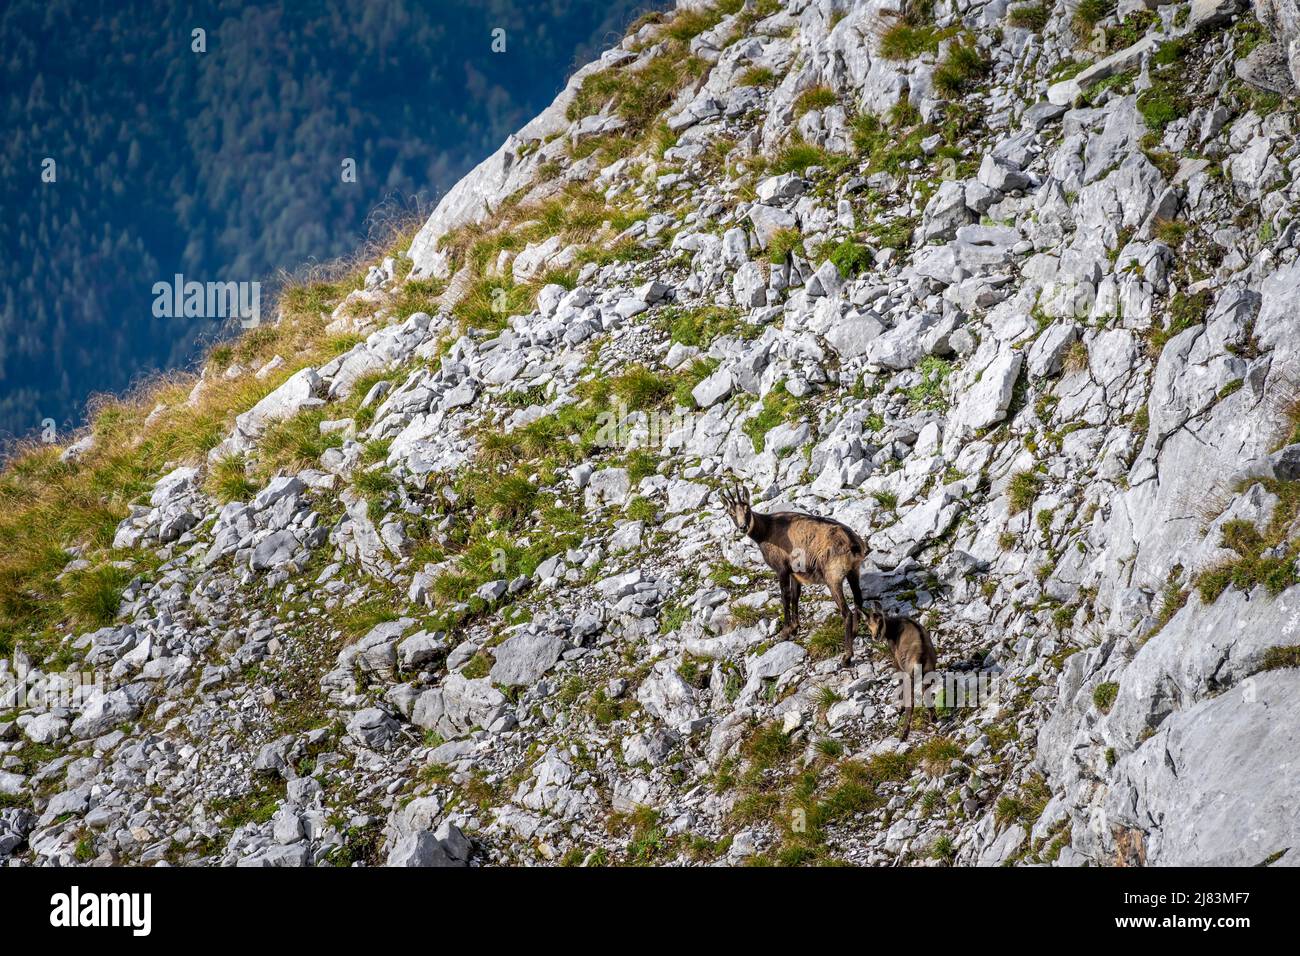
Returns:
(912, 652)
(804, 549)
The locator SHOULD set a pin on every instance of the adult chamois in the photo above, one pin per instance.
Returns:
(912, 652)
(804, 549)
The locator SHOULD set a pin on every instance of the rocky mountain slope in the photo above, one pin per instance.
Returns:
(433, 571)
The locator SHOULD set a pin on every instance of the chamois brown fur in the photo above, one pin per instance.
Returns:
(804, 549)
(912, 652)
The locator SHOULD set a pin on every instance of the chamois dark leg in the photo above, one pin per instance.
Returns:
(856, 587)
(786, 580)
(796, 589)
(911, 687)
(849, 615)
(905, 726)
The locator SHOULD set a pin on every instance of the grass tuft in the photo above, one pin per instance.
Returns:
(1023, 490)
(1279, 658)
(961, 69)
(1265, 557)
(1104, 696)
(1029, 16)
(816, 98)
(92, 596)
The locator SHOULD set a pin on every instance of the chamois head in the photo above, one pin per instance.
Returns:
(874, 618)
(735, 501)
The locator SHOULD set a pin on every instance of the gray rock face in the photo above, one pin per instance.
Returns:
(1267, 67)
(1202, 650)
(15, 824)
(46, 728)
(1000, 850)
(946, 212)
(1210, 788)
(986, 402)
(523, 659)
(103, 714)
(1001, 176)
(382, 349)
(668, 697)
(768, 221)
(713, 389)
(301, 390)
(372, 727)
(903, 346)
(771, 665)
(458, 706)
(974, 250)
(750, 285)
(1067, 91)
(276, 490)
(275, 549)
(1048, 352)
(786, 186)
(11, 784)
(851, 337)
(420, 649)
(427, 849)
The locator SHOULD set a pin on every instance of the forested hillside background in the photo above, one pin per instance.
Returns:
(226, 165)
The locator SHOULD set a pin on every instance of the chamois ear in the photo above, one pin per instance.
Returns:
(745, 493)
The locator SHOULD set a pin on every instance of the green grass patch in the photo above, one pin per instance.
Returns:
(228, 480)
(48, 506)
(1172, 232)
(700, 326)
(778, 407)
(891, 144)
(816, 98)
(903, 41)
(783, 243)
(1132, 28)
(257, 805)
(691, 376)
(928, 393)
(640, 95)
(961, 70)
(1087, 14)
(757, 76)
(1104, 696)
(1029, 16)
(294, 443)
(826, 639)
(851, 258)
(1173, 597)
(895, 234)
(1166, 100)
(1280, 658)
(1023, 490)
(797, 156)
(1185, 311)
(1024, 807)
(93, 595)
(1265, 557)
